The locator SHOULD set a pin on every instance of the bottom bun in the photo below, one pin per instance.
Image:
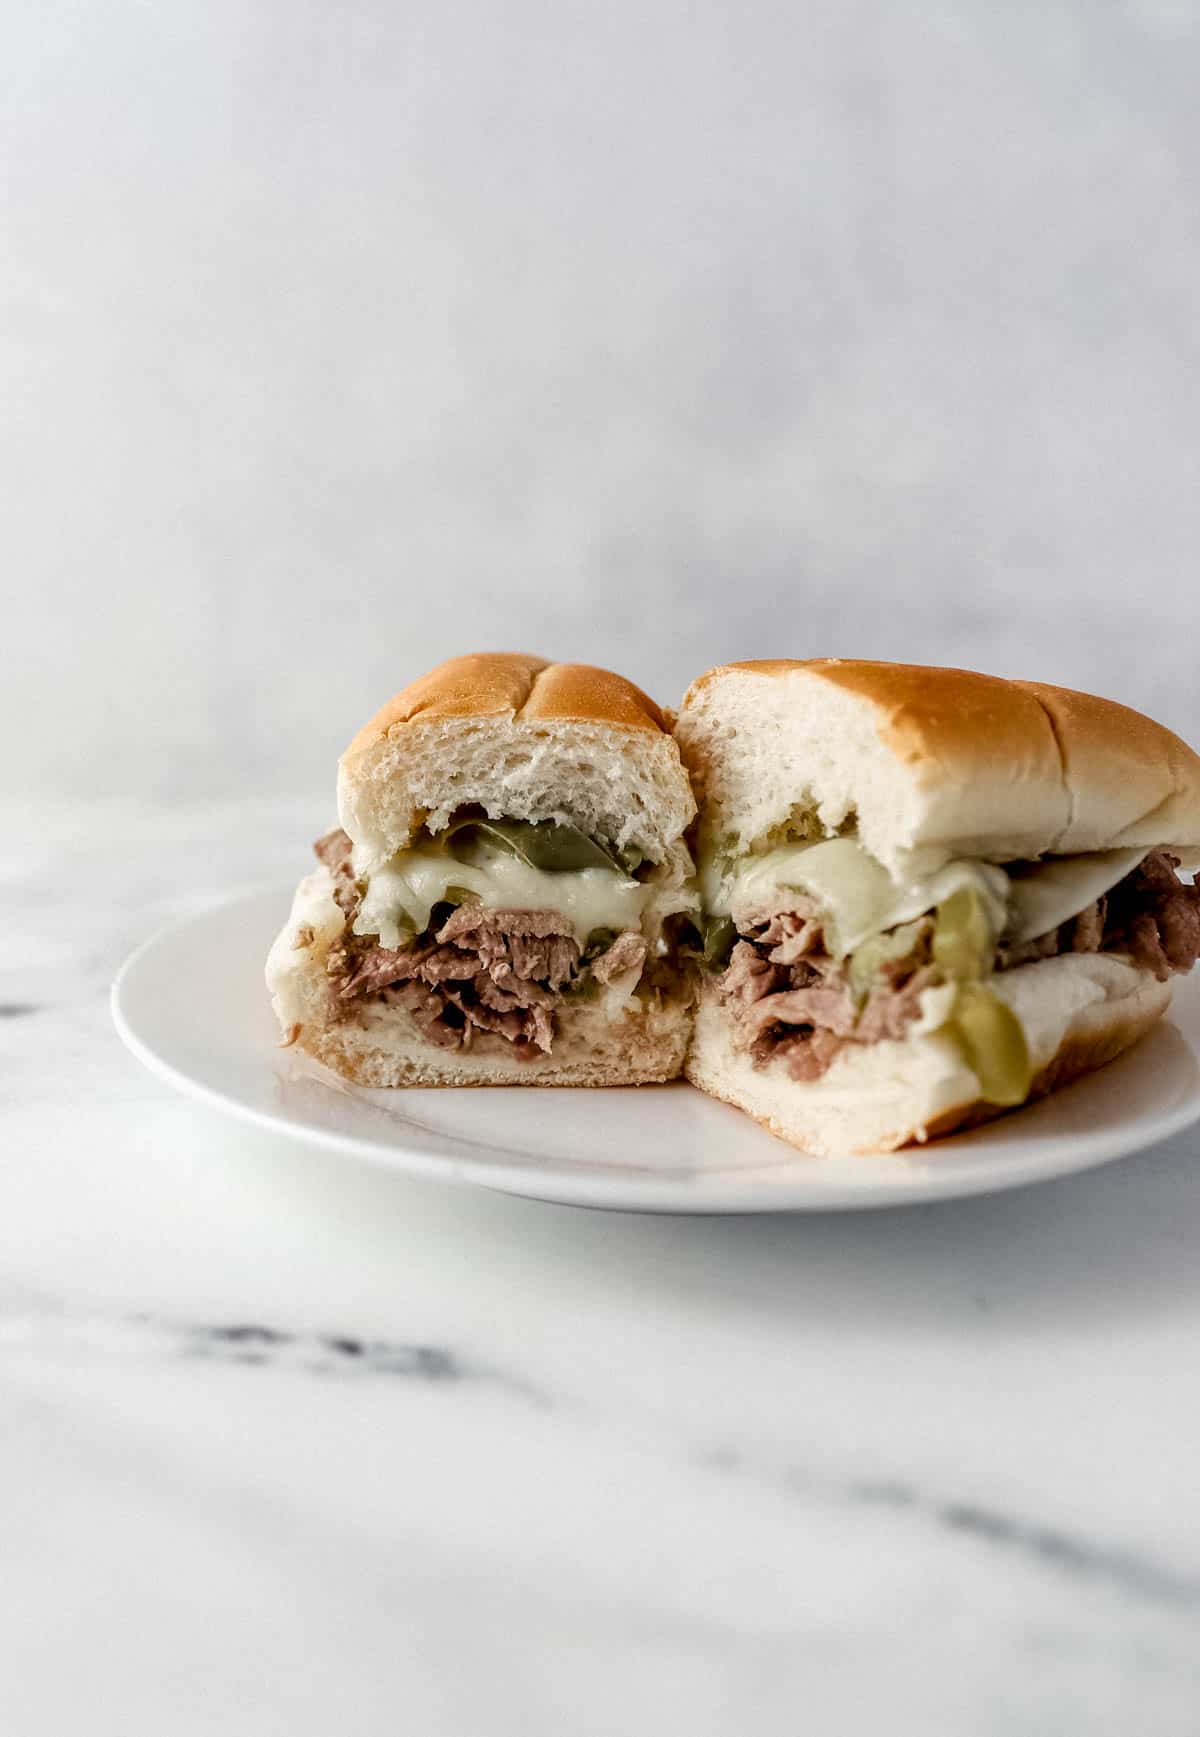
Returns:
(377, 1045)
(1079, 1011)
(387, 1052)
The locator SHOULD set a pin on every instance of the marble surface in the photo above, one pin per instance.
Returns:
(291, 1446)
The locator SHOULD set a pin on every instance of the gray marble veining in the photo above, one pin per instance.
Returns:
(286, 1443)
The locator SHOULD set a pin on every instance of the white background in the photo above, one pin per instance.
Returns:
(336, 339)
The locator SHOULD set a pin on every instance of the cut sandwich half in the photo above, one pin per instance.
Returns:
(501, 902)
(928, 895)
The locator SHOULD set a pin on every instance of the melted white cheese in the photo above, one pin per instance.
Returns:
(401, 895)
(314, 907)
(1044, 894)
(861, 899)
(855, 891)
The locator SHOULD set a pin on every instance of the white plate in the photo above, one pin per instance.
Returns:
(191, 1004)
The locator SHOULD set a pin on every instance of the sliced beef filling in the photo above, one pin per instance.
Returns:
(333, 852)
(480, 973)
(1151, 916)
(789, 998)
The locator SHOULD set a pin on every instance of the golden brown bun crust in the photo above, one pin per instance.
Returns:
(1076, 717)
(1119, 767)
(490, 684)
(1117, 756)
(937, 714)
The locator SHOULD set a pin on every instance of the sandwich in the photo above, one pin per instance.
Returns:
(503, 899)
(928, 895)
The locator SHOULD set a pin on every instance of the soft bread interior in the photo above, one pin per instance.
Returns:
(626, 785)
(1078, 1010)
(929, 764)
(785, 746)
(385, 1050)
(380, 1045)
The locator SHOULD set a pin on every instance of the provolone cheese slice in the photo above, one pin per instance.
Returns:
(401, 895)
(1044, 894)
(855, 891)
(859, 898)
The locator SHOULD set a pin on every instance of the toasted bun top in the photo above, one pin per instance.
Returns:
(523, 738)
(931, 762)
(492, 684)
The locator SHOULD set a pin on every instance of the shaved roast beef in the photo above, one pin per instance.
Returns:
(789, 936)
(333, 851)
(626, 956)
(1155, 917)
(1151, 916)
(480, 973)
(538, 945)
(750, 976)
(804, 1012)
(790, 1000)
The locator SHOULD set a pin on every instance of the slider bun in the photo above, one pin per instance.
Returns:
(526, 739)
(380, 1045)
(1079, 1011)
(932, 763)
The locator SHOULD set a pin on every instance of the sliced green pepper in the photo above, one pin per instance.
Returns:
(994, 1044)
(458, 896)
(630, 857)
(987, 1030)
(719, 934)
(963, 940)
(546, 845)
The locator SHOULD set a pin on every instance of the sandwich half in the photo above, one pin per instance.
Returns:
(928, 895)
(502, 900)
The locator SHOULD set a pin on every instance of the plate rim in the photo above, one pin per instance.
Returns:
(639, 1191)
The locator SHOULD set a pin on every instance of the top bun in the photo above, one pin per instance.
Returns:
(930, 763)
(523, 738)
